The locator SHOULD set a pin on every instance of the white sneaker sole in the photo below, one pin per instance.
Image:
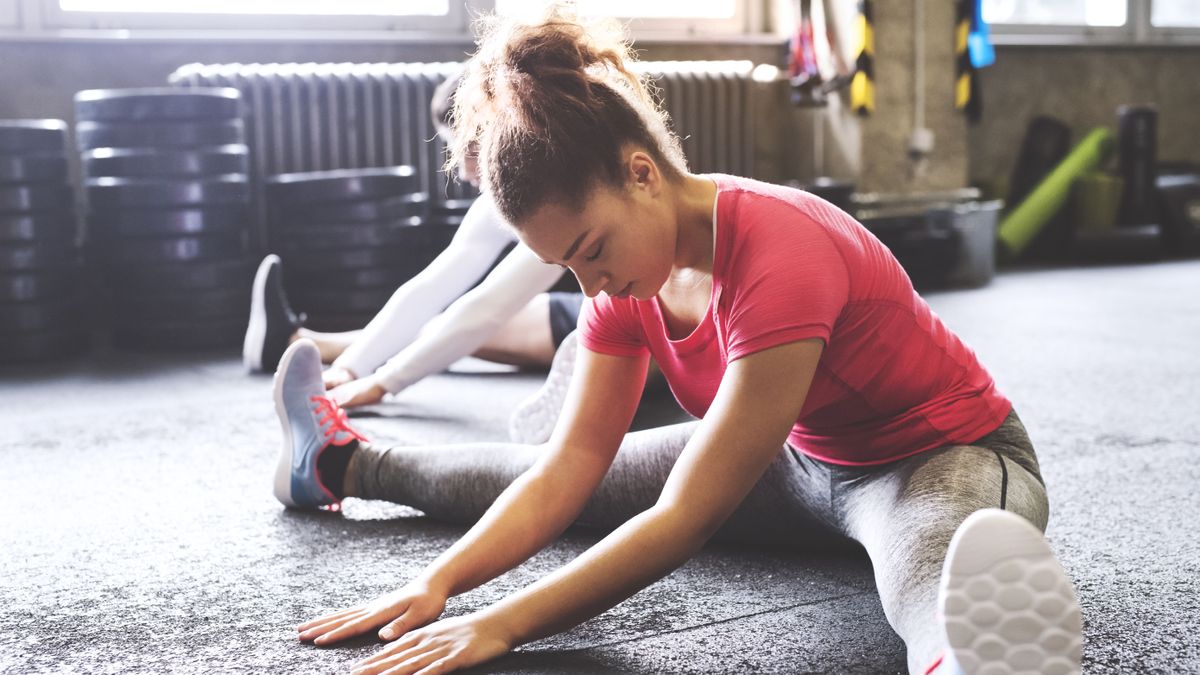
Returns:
(1008, 605)
(256, 330)
(283, 468)
(533, 422)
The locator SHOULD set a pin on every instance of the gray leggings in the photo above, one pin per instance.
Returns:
(903, 513)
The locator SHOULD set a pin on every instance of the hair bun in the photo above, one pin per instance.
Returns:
(549, 104)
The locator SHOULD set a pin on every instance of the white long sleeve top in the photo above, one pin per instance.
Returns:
(394, 346)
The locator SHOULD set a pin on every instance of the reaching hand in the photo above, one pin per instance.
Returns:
(336, 376)
(410, 607)
(363, 391)
(459, 642)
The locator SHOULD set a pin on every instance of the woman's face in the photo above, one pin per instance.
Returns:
(622, 243)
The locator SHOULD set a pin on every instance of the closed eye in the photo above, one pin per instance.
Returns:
(594, 256)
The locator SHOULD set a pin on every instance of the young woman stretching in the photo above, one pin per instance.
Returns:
(436, 318)
(833, 402)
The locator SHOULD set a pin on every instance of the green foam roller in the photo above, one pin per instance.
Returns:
(1023, 223)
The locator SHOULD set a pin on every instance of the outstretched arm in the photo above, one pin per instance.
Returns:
(471, 320)
(534, 510)
(759, 400)
(479, 239)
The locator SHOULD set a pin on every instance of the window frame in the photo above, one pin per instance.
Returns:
(44, 19)
(10, 14)
(1137, 31)
(1165, 34)
(745, 16)
(53, 17)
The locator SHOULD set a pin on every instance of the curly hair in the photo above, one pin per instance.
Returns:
(549, 106)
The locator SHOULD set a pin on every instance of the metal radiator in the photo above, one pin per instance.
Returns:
(312, 117)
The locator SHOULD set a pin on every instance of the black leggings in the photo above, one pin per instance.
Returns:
(564, 314)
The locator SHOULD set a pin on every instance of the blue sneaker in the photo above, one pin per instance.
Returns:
(311, 423)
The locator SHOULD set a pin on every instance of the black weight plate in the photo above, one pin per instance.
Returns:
(351, 279)
(25, 197)
(38, 137)
(453, 207)
(38, 255)
(43, 225)
(38, 347)
(184, 305)
(181, 335)
(38, 286)
(446, 220)
(339, 322)
(33, 169)
(317, 261)
(118, 193)
(157, 103)
(319, 301)
(191, 276)
(154, 163)
(90, 135)
(38, 317)
(172, 249)
(169, 222)
(289, 189)
(356, 235)
(362, 211)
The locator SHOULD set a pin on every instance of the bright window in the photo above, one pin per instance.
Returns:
(293, 7)
(8, 14)
(634, 9)
(180, 17)
(1175, 13)
(1056, 12)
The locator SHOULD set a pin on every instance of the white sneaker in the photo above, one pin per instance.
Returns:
(1006, 604)
(533, 421)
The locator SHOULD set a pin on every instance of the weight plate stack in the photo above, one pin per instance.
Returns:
(348, 238)
(451, 211)
(41, 289)
(166, 177)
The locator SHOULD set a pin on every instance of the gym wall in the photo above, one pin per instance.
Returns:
(1083, 87)
(45, 74)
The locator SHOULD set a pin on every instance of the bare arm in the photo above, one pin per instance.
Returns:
(759, 400)
(755, 408)
(530, 513)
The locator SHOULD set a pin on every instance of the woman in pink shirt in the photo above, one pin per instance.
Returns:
(832, 403)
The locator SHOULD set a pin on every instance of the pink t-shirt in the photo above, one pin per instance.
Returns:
(892, 381)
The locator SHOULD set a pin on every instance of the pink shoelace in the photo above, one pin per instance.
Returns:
(329, 411)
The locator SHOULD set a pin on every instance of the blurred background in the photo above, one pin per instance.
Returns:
(962, 133)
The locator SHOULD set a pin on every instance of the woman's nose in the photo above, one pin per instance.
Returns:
(592, 284)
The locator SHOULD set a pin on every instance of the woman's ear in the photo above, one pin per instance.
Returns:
(644, 173)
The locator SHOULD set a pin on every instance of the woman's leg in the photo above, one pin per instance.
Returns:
(906, 514)
(458, 483)
(331, 345)
(526, 340)
(273, 325)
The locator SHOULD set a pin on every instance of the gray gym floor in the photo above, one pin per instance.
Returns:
(140, 534)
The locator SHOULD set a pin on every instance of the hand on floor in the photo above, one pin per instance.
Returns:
(400, 611)
(364, 391)
(459, 642)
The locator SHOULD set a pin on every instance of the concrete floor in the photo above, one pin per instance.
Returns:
(139, 532)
